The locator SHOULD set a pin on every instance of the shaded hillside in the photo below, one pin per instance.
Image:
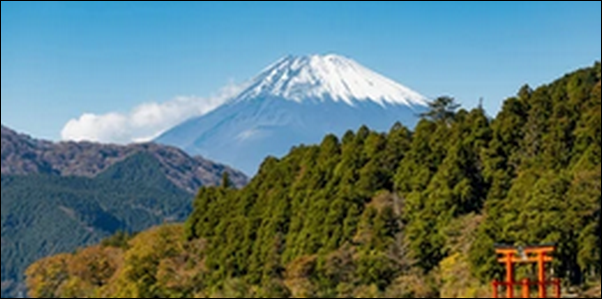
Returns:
(58, 197)
(44, 215)
(398, 215)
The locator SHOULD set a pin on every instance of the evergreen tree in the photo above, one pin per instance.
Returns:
(443, 109)
(402, 214)
(226, 183)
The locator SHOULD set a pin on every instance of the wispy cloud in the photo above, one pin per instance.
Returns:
(145, 122)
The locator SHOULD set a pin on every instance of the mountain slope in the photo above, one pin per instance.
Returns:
(23, 155)
(297, 100)
(58, 197)
(43, 215)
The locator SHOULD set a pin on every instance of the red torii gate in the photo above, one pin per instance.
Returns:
(511, 256)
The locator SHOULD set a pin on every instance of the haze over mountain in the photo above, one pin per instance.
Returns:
(295, 101)
(57, 197)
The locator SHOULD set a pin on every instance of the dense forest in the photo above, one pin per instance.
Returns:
(408, 214)
(44, 215)
(57, 197)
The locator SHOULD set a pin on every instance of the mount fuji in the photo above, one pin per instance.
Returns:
(297, 100)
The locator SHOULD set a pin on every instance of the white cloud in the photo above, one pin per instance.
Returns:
(145, 122)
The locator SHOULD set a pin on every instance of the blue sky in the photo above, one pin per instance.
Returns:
(61, 60)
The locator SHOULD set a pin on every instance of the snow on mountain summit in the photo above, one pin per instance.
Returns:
(297, 100)
(329, 77)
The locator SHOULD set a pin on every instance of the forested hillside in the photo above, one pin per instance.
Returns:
(57, 197)
(44, 215)
(409, 214)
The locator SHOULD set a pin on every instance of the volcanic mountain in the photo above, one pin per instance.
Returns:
(296, 101)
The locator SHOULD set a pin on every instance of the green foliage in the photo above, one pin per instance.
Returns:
(226, 183)
(543, 165)
(45, 215)
(398, 215)
(442, 109)
(120, 239)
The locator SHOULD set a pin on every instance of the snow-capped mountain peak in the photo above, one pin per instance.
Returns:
(297, 100)
(329, 77)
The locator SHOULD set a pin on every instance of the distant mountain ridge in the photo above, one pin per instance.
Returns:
(57, 197)
(23, 155)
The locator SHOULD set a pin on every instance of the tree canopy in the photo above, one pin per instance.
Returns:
(398, 214)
